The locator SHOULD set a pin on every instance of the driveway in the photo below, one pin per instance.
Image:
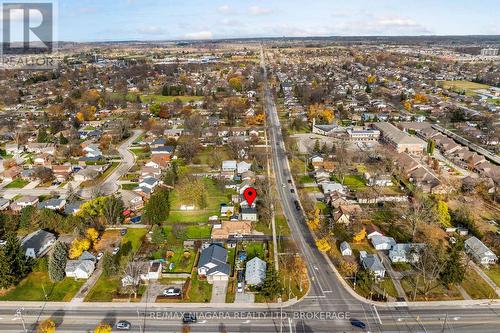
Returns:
(219, 292)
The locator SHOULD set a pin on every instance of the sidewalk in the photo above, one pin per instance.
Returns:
(84, 290)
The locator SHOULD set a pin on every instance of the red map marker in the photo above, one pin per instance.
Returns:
(250, 194)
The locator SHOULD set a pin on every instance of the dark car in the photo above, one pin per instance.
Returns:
(292, 190)
(297, 204)
(241, 276)
(289, 181)
(358, 323)
(188, 318)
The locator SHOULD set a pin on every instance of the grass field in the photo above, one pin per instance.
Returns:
(476, 287)
(134, 236)
(387, 285)
(17, 183)
(494, 274)
(103, 290)
(32, 289)
(462, 85)
(215, 197)
(182, 264)
(200, 291)
(168, 99)
(129, 187)
(254, 249)
(198, 231)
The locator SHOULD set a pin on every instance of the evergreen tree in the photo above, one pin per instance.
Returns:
(317, 147)
(157, 208)
(57, 262)
(454, 270)
(271, 288)
(13, 263)
(42, 135)
(63, 140)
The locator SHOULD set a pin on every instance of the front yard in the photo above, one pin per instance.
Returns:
(494, 273)
(17, 183)
(199, 291)
(104, 290)
(476, 287)
(32, 289)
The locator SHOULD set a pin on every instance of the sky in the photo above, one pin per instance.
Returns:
(105, 20)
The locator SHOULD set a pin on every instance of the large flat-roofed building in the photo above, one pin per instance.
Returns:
(403, 142)
(363, 134)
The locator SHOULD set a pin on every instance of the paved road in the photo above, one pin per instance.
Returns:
(110, 184)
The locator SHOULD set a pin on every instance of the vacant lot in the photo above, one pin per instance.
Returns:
(109, 239)
(103, 290)
(32, 289)
(476, 287)
(462, 85)
(17, 183)
(169, 99)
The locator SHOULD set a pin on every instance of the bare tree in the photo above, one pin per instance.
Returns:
(113, 209)
(418, 211)
(133, 274)
(428, 267)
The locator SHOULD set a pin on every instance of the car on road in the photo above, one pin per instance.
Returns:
(289, 181)
(123, 325)
(240, 287)
(99, 256)
(292, 190)
(358, 323)
(172, 292)
(189, 317)
(123, 232)
(115, 250)
(297, 204)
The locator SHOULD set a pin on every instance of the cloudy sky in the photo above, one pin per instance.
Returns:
(100, 20)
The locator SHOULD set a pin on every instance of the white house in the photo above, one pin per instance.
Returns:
(407, 252)
(243, 167)
(79, 269)
(255, 272)
(371, 262)
(480, 252)
(345, 249)
(249, 214)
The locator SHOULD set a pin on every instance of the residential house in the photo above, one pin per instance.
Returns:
(242, 167)
(24, 201)
(86, 174)
(53, 204)
(255, 272)
(228, 169)
(382, 242)
(371, 263)
(345, 249)
(61, 172)
(72, 207)
(249, 214)
(81, 268)
(235, 229)
(37, 244)
(405, 252)
(213, 265)
(479, 252)
(12, 173)
(4, 204)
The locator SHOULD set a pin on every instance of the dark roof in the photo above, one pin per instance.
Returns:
(249, 210)
(217, 255)
(36, 240)
(164, 149)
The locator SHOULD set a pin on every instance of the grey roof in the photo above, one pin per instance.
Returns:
(479, 249)
(249, 210)
(163, 149)
(71, 207)
(37, 239)
(255, 271)
(345, 246)
(150, 180)
(216, 255)
(378, 240)
(396, 135)
(50, 203)
(371, 261)
(85, 265)
(86, 255)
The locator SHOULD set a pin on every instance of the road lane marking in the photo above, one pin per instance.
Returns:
(378, 317)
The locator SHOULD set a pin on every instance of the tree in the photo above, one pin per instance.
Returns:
(316, 147)
(428, 268)
(14, 265)
(454, 269)
(271, 288)
(157, 208)
(349, 268)
(46, 326)
(442, 214)
(57, 262)
(78, 246)
(109, 265)
(133, 272)
(157, 236)
(188, 146)
(323, 245)
(102, 328)
(113, 209)
(235, 83)
(431, 145)
(92, 234)
(42, 136)
(358, 237)
(314, 223)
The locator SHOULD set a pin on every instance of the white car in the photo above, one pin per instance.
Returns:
(172, 292)
(240, 287)
(115, 250)
(3, 242)
(123, 325)
(99, 256)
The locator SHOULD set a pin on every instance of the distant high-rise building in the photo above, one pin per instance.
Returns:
(489, 52)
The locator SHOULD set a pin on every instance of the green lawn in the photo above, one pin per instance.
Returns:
(494, 273)
(476, 287)
(31, 289)
(354, 181)
(198, 231)
(200, 291)
(17, 183)
(103, 290)
(254, 249)
(387, 285)
(305, 179)
(129, 187)
(134, 236)
(215, 197)
(181, 263)
(168, 99)
(462, 85)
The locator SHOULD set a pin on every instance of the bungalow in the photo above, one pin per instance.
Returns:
(345, 249)
(255, 272)
(371, 263)
(149, 182)
(228, 169)
(382, 242)
(328, 187)
(61, 172)
(162, 150)
(72, 208)
(79, 269)
(407, 252)
(37, 244)
(4, 204)
(480, 252)
(92, 151)
(228, 229)
(25, 201)
(86, 174)
(382, 180)
(53, 204)
(249, 214)
(12, 173)
(243, 167)
(213, 265)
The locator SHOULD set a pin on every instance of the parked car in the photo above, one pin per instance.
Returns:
(189, 317)
(358, 323)
(115, 250)
(240, 287)
(123, 232)
(3, 242)
(289, 181)
(172, 292)
(241, 276)
(99, 256)
(123, 325)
